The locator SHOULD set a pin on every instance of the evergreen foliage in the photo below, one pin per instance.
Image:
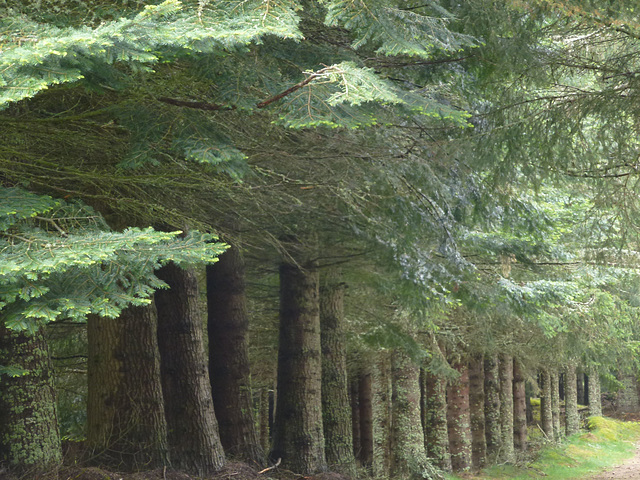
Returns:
(59, 260)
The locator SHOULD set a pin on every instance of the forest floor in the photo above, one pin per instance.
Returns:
(629, 470)
(232, 471)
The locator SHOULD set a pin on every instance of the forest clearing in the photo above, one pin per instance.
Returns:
(318, 239)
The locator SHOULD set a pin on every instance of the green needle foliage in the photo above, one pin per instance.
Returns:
(59, 260)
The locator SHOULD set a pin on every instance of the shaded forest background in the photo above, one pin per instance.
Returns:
(345, 236)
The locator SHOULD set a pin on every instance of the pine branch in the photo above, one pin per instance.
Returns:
(195, 104)
(262, 104)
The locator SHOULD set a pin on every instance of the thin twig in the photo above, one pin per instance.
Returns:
(270, 468)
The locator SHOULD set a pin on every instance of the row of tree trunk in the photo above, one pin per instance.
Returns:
(477, 419)
(154, 399)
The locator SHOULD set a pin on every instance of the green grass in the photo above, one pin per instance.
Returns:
(607, 443)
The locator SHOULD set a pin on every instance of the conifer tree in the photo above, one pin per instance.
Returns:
(336, 412)
(193, 435)
(227, 330)
(126, 424)
(298, 435)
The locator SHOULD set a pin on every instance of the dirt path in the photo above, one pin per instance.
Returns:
(629, 470)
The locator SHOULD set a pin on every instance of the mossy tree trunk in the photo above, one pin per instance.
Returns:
(408, 458)
(382, 393)
(492, 406)
(298, 436)
(546, 410)
(125, 410)
(628, 400)
(435, 425)
(29, 433)
(265, 441)
(458, 419)
(365, 413)
(555, 403)
(193, 429)
(582, 398)
(595, 400)
(507, 452)
(336, 409)
(572, 417)
(476, 405)
(354, 399)
(228, 326)
(519, 407)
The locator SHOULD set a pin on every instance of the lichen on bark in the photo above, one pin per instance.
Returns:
(29, 432)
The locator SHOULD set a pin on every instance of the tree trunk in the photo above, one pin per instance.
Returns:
(492, 406)
(264, 420)
(595, 401)
(435, 426)
(572, 417)
(382, 393)
(125, 415)
(298, 437)
(519, 407)
(546, 411)
(29, 433)
(580, 386)
(627, 400)
(408, 458)
(458, 421)
(193, 430)
(555, 403)
(507, 453)
(354, 398)
(336, 410)
(228, 325)
(365, 395)
(476, 405)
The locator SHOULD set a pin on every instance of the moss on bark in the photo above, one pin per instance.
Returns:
(572, 418)
(476, 404)
(408, 458)
(595, 399)
(492, 406)
(29, 433)
(507, 452)
(458, 419)
(336, 410)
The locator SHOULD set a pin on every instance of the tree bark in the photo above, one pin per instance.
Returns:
(458, 420)
(572, 417)
(298, 436)
(125, 415)
(435, 425)
(519, 407)
(365, 405)
(408, 458)
(507, 452)
(555, 403)
(546, 410)
(627, 400)
(492, 406)
(336, 410)
(29, 433)
(354, 398)
(595, 400)
(580, 386)
(229, 373)
(476, 405)
(264, 420)
(382, 393)
(193, 429)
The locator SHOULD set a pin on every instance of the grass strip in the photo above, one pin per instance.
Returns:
(607, 443)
